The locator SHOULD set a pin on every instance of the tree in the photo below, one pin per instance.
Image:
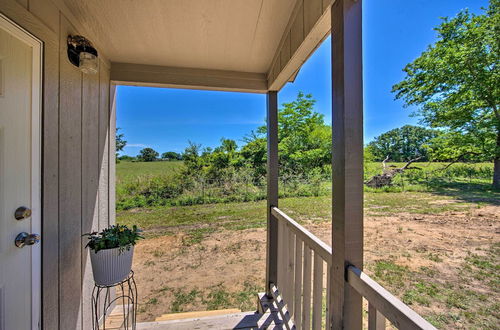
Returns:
(444, 147)
(304, 140)
(192, 159)
(255, 154)
(127, 158)
(228, 145)
(148, 155)
(120, 142)
(171, 155)
(455, 84)
(304, 147)
(402, 144)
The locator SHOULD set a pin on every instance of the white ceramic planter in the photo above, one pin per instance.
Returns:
(111, 266)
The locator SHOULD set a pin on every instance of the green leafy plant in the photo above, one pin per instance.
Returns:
(118, 236)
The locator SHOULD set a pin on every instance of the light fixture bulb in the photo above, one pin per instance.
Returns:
(88, 63)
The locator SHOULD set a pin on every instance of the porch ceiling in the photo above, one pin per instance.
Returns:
(232, 35)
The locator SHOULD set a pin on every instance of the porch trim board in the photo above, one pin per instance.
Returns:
(308, 26)
(191, 78)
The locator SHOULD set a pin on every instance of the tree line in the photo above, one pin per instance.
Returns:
(146, 154)
(151, 155)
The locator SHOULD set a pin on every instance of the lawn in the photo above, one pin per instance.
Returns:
(159, 220)
(131, 171)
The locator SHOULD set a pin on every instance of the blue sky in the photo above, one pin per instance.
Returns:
(395, 32)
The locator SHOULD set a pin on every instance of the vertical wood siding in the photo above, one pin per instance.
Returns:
(78, 164)
(90, 182)
(112, 151)
(70, 184)
(103, 104)
(84, 156)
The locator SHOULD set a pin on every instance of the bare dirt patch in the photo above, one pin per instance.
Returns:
(225, 268)
(167, 269)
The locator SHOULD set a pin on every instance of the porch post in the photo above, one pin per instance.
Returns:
(347, 134)
(272, 189)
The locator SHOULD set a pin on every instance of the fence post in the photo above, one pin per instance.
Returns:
(203, 190)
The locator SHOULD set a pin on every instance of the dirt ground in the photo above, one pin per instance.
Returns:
(175, 274)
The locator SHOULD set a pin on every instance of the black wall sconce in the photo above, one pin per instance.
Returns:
(82, 54)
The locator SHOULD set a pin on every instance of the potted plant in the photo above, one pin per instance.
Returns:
(111, 252)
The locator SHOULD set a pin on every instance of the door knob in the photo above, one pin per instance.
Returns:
(22, 212)
(26, 239)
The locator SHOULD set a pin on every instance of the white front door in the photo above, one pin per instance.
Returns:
(20, 266)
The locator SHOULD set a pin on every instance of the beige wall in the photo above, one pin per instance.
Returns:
(78, 164)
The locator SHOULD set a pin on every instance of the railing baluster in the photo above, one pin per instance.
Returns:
(376, 321)
(297, 313)
(290, 269)
(284, 263)
(281, 270)
(306, 314)
(328, 270)
(317, 292)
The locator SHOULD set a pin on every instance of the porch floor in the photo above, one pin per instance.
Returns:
(267, 317)
(240, 321)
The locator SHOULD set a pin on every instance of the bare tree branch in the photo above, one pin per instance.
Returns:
(384, 163)
(385, 179)
(456, 160)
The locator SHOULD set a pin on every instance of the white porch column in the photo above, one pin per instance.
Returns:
(347, 116)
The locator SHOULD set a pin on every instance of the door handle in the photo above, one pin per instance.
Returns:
(24, 238)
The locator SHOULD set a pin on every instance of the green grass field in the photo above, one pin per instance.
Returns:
(133, 171)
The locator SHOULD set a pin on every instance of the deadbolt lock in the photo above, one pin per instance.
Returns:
(22, 212)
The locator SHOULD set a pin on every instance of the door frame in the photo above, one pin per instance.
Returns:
(36, 164)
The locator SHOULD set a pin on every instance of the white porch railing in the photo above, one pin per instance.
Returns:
(302, 279)
(304, 265)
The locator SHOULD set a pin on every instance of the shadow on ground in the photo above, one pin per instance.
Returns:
(469, 192)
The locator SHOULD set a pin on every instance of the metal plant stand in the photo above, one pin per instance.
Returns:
(103, 301)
